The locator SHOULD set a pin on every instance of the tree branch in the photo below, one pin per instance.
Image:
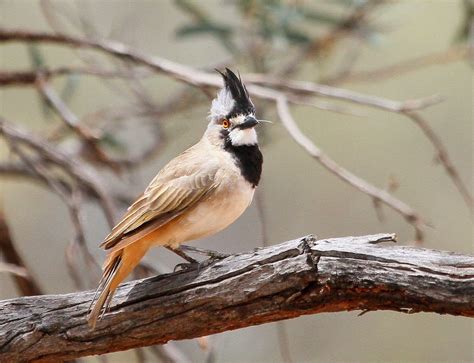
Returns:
(378, 195)
(279, 282)
(49, 153)
(204, 79)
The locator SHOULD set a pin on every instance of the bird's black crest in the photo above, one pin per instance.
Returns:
(243, 105)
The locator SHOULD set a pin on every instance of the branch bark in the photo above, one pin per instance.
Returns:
(279, 282)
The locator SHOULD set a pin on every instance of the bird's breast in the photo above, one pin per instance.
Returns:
(217, 211)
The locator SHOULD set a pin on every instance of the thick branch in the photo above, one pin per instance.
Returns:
(274, 283)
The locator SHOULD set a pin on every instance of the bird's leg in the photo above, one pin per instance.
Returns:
(181, 254)
(183, 266)
(201, 251)
(213, 255)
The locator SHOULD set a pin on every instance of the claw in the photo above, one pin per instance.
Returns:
(214, 255)
(186, 266)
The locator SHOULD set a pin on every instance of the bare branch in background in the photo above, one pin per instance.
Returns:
(453, 54)
(13, 269)
(201, 79)
(51, 154)
(72, 203)
(314, 89)
(25, 78)
(19, 170)
(406, 108)
(442, 156)
(24, 280)
(88, 137)
(383, 196)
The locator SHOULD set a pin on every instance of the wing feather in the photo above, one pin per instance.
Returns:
(178, 186)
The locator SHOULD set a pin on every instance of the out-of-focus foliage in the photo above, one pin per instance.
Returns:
(278, 24)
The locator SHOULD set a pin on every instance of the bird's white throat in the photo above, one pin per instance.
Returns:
(243, 137)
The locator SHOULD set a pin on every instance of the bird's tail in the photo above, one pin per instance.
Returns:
(117, 267)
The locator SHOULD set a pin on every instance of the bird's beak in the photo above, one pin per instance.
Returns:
(248, 123)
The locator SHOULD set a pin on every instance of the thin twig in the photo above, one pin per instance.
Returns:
(70, 199)
(309, 88)
(199, 78)
(406, 108)
(78, 171)
(452, 54)
(15, 270)
(203, 79)
(442, 156)
(90, 138)
(24, 78)
(406, 211)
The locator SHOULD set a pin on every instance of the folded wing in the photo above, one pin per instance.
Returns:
(169, 195)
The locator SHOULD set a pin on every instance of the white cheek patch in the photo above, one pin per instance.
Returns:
(243, 137)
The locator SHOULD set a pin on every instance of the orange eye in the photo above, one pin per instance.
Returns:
(225, 124)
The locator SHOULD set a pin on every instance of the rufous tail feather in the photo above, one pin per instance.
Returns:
(117, 267)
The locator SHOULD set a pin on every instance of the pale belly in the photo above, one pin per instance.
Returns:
(213, 214)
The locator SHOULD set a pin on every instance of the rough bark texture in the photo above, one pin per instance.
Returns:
(297, 277)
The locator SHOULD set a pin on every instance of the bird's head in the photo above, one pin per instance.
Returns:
(232, 114)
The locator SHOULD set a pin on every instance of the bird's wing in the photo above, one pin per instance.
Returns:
(178, 186)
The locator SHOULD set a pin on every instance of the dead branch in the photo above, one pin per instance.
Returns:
(442, 156)
(49, 153)
(406, 108)
(23, 78)
(453, 54)
(200, 78)
(279, 282)
(90, 138)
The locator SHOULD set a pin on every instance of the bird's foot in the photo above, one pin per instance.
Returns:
(181, 254)
(213, 255)
(186, 266)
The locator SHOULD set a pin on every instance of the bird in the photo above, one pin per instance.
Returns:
(197, 194)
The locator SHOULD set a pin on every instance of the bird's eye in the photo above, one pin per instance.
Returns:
(225, 124)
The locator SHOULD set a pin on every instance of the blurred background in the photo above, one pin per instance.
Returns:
(140, 119)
